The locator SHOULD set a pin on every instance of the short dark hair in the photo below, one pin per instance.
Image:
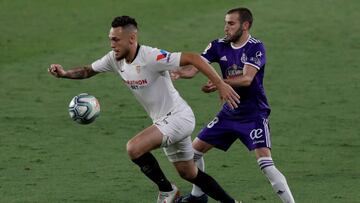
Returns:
(124, 21)
(244, 14)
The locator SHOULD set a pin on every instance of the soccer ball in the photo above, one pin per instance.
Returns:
(84, 108)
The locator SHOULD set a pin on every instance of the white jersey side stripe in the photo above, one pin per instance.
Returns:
(267, 132)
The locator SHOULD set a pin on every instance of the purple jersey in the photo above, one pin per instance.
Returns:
(253, 102)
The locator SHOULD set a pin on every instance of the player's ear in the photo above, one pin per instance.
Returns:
(245, 25)
(132, 38)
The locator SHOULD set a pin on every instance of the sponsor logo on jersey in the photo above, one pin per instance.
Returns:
(162, 55)
(258, 54)
(136, 84)
(256, 134)
(257, 58)
(234, 71)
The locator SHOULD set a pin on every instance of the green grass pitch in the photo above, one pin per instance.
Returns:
(312, 82)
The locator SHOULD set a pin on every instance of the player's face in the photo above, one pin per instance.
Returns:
(120, 42)
(232, 29)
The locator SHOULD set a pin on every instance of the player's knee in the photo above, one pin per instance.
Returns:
(187, 174)
(201, 146)
(132, 150)
(262, 152)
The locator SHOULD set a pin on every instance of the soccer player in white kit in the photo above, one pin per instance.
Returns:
(145, 71)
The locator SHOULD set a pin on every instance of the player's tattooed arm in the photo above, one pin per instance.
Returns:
(81, 72)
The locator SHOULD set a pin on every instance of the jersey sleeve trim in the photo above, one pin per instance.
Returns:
(251, 64)
(205, 59)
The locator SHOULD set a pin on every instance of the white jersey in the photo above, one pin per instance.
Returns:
(148, 78)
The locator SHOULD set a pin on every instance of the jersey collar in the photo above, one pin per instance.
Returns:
(136, 53)
(234, 47)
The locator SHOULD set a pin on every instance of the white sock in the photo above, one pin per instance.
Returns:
(276, 178)
(199, 161)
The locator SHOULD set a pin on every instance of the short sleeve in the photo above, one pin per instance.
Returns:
(256, 56)
(210, 53)
(103, 64)
(161, 60)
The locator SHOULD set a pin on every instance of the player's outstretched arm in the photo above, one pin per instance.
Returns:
(75, 73)
(185, 72)
(226, 92)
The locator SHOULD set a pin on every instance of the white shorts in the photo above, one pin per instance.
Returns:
(177, 128)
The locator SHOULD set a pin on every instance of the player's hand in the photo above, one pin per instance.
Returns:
(57, 70)
(208, 87)
(228, 94)
(174, 74)
(185, 72)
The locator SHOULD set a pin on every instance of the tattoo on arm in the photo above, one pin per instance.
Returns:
(81, 72)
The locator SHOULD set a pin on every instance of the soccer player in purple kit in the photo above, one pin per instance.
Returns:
(242, 61)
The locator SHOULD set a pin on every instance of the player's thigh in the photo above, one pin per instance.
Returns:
(218, 133)
(255, 134)
(180, 151)
(176, 129)
(148, 139)
(176, 126)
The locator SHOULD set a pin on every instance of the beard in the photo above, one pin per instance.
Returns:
(121, 56)
(235, 37)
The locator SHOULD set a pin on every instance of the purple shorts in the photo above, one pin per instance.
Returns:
(222, 132)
